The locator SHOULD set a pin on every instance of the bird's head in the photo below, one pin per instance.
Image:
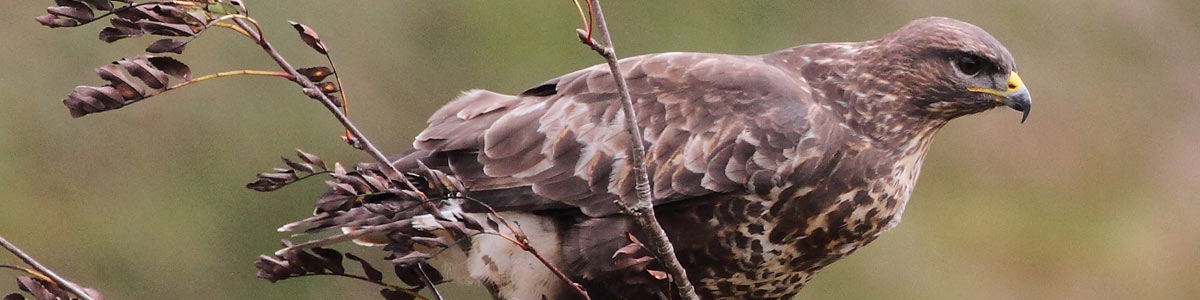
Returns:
(954, 68)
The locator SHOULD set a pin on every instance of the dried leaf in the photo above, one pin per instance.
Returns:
(409, 274)
(342, 188)
(333, 259)
(628, 249)
(306, 167)
(411, 258)
(310, 37)
(430, 178)
(332, 202)
(358, 184)
(117, 79)
(53, 21)
(173, 15)
(263, 185)
(134, 14)
(377, 182)
(100, 4)
(471, 223)
(107, 96)
(493, 225)
(72, 9)
(40, 290)
(308, 262)
(660, 275)
(111, 97)
(365, 167)
(433, 242)
(279, 177)
(171, 67)
(632, 239)
(128, 91)
(434, 275)
(339, 169)
(315, 74)
(79, 107)
(456, 184)
(86, 99)
(121, 29)
(328, 87)
(167, 45)
(626, 262)
(312, 159)
(165, 29)
(390, 294)
(371, 273)
(142, 69)
(273, 269)
(445, 183)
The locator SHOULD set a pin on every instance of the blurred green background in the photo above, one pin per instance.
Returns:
(1094, 198)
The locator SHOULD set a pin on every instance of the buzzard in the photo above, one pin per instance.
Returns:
(765, 168)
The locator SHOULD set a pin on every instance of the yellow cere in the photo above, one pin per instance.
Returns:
(1014, 84)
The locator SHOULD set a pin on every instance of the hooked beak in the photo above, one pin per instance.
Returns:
(1017, 95)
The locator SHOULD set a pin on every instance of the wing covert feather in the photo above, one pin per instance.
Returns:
(711, 123)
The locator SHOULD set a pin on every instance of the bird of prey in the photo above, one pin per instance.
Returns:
(765, 168)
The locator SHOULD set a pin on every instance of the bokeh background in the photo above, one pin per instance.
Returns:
(1095, 197)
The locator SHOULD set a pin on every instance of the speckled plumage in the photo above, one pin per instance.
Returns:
(765, 168)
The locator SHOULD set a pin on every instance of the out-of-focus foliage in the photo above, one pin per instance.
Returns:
(1093, 198)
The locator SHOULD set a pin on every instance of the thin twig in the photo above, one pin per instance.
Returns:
(220, 75)
(218, 23)
(312, 91)
(577, 287)
(643, 210)
(61, 282)
(235, 28)
(429, 282)
(207, 78)
(28, 271)
(337, 77)
(523, 242)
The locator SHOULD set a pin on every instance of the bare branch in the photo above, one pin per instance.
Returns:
(70, 286)
(643, 210)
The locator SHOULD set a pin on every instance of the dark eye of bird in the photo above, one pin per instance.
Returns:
(969, 65)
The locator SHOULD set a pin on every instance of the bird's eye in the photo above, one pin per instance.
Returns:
(969, 65)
